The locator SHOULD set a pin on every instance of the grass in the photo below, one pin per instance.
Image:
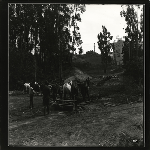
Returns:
(96, 124)
(94, 127)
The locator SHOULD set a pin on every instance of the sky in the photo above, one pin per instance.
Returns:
(92, 20)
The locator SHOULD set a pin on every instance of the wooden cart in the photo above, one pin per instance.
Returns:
(67, 104)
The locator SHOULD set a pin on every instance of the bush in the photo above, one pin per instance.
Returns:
(134, 68)
(112, 89)
(131, 88)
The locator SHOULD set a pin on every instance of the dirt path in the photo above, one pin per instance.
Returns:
(59, 129)
(33, 120)
(20, 123)
(89, 106)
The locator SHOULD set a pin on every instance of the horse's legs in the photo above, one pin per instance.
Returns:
(83, 95)
(60, 95)
(71, 95)
(44, 110)
(54, 97)
(87, 94)
(84, 98)
(48, 109)
(64, 95)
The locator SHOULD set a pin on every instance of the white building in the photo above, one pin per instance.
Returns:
(117, 52)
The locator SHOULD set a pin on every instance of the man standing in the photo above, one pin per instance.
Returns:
(46, 97)
(31, 92)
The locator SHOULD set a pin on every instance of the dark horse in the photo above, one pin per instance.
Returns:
(84, 89)
(56, 89)
(74, 90)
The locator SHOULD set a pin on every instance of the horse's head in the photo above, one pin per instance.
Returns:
(70, 82)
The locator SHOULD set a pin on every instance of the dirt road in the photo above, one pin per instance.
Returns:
(96, 125)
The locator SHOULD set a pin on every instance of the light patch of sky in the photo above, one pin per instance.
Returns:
(92, 20)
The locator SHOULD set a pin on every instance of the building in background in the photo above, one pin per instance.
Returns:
(117, 52)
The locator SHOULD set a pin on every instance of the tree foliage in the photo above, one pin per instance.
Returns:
(104, 45)
(41, 39)
(80, 50)
(133, 45)
(134, 35)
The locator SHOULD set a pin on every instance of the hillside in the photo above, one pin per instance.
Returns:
(94, 59)
(91, 64)
(77, 74)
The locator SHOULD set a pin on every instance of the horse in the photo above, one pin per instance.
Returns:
(56, 90)
(74, 90)
(84, 89)
(67, 90)
(71, 89)
(26, 87)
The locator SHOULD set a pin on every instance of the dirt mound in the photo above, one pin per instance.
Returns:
(78, 75)
(81, 75)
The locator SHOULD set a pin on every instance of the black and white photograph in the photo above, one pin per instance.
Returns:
(76, 75)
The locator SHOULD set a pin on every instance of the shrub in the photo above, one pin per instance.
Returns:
(134, 68)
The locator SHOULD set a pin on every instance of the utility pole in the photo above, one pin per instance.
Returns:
(94, 47)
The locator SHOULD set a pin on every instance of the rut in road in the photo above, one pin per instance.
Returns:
(51, 116)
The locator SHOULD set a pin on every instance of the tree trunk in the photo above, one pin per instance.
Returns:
(35, 54)
(60, 62)
(25, 67)
(105, 67)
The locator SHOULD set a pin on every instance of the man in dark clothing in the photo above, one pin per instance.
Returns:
(46, 97)
(31, 92)
(54, 91)
(88, 82)
(84, 89)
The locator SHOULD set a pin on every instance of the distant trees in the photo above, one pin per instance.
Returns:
(133, 45)
(41, 39)
(91, 52)
(104, 45)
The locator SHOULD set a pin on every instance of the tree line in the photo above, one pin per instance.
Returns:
(133, 50)
(42, 40)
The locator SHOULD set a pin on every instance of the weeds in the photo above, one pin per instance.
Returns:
(125, 140)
